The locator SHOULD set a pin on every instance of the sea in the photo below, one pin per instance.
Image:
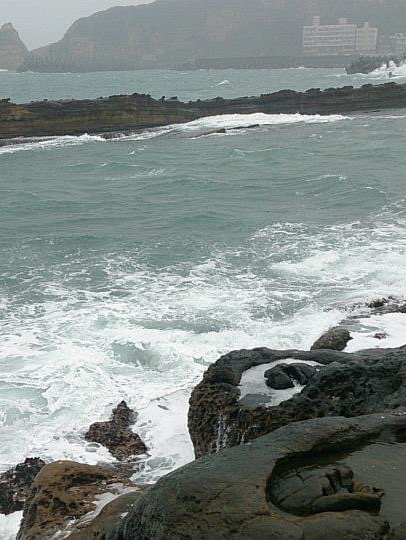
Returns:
(127, 266)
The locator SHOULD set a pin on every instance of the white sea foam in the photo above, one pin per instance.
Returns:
(389, 72)
(49, 143)
(227, 121)
(9, 525)
(148, 335)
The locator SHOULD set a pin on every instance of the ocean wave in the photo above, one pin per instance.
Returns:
(49, 143)
(389, 72)
(225, 121)
(233, 121)
(146, 334)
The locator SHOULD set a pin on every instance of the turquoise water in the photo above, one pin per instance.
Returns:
(128, 266)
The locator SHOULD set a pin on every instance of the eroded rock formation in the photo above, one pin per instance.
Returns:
(15, 485)
(274, 487)
(347, 385)
(139, 111)
(66, 497)
(116, 434)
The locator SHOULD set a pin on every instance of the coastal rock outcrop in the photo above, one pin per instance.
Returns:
(296, 483)
(12, 50)
(116, 434)
(15, 484)
(335, 339)
(346, 384)
(122, 114)
(66, 497)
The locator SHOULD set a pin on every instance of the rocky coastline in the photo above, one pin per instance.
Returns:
(368, 64)
(328, 456)
(117, 114)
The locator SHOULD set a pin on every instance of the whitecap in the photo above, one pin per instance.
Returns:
(49, 143)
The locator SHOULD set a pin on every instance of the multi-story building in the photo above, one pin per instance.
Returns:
(341, 38)
(398, 44)
(366, 40)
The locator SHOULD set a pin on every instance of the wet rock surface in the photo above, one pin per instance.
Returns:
(285, 376)
(116, 434)
(15, 485)
(65, 497)
(347, 384)
(270, 489)
(335, 339)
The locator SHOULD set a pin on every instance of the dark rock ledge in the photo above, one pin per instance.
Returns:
(348, 384)
(275, 488)
(125, 113)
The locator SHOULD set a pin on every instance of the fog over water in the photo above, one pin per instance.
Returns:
(41, 22)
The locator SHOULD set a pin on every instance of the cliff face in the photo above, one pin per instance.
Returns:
(12, 49)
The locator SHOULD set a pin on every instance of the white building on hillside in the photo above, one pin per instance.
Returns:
(341, 38)
(366, 39)
(398, 44)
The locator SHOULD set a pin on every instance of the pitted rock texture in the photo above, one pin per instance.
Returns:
(309, 490)
(335, 339)
(139, 111)
(229, 495)
(63, 496)
(15, 485)
(116, 434)
(348, 384)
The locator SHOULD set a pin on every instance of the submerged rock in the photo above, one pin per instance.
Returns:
(15, 485)
(243, 492)
(116, 434)
(335, 339)
(66, 497)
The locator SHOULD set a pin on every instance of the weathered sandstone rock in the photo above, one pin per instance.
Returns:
(139, 111)
(116, 434)
(15, 485)
(65, 498)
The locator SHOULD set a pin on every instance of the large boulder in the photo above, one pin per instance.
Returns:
(116, 434)
(346, 384)
(335, 339)
(15, 485)
(243, 492)
(65, 498)
(285, 376)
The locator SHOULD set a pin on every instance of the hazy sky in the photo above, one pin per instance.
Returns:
(41, 22)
